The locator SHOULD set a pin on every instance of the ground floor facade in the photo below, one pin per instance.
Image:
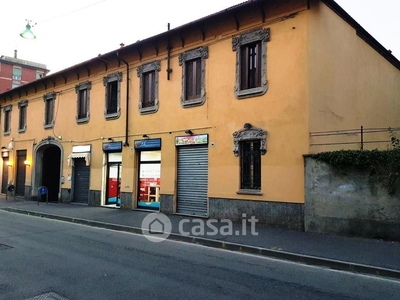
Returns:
(186, 173)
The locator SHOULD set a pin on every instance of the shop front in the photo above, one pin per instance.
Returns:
(149, 161)
(192, 175)
(113, 157)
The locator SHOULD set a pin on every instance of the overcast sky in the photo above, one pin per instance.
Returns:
(70, 32)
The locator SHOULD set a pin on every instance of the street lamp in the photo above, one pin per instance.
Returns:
(27, 33)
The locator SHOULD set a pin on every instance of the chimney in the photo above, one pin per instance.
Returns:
(15, 53)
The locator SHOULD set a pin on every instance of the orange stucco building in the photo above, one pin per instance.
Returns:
(209, 119)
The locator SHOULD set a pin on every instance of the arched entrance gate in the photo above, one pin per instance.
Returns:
(48, 168)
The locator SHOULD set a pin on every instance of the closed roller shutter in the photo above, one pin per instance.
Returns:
(81, 181)
(192, 180)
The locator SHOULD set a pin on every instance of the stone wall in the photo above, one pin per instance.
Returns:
(351, 203)
(268, 213)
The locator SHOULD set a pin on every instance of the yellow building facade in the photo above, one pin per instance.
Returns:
(210, 119)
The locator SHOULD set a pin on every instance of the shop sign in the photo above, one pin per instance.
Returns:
(112, 147)
(148, 144)
(200, 139)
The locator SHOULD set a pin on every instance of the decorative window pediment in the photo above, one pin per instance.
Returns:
(248, 133)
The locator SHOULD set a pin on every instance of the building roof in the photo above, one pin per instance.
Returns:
(22, 62)
(232, 13)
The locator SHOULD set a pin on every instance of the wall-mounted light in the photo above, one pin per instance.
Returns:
(110, 139)
(27, 163)
(9, 163)
(188, 131)
(145, 136)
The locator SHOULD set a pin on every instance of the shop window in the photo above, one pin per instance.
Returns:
(148, 73)
(49, 103)
(193, 64)
(149, 179)
(7, 119)
(22, 106)
(251, 56)
(83, 96)
(249, 146)
(112, 85)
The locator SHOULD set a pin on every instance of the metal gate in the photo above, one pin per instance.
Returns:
(81, 181)
(21, 172)
(192, 180)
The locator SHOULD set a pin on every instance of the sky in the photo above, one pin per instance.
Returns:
(70, 32)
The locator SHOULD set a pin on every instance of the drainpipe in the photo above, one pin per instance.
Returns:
(127, 99)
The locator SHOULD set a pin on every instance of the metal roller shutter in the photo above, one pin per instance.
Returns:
(81, 181)
(192, 180)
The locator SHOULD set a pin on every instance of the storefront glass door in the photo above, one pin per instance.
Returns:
(113, 183)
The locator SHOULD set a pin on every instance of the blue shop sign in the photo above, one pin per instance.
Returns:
(112, 147)
(148, 144)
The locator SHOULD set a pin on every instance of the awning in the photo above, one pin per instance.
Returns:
(84, 155)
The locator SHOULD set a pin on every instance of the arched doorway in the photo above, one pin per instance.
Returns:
(48, 168)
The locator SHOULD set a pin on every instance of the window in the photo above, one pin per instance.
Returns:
(49, 102)
(112, 84)
(39, 74)
(250, 165)
(251, 53)
(14, 85)
(22, 105)
(148, 73)
(17, 73)
(249, 145)
(193, 76)
(83, 95)
(7, 119)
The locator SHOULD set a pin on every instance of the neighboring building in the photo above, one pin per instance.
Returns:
(15, 72)
(210, 119)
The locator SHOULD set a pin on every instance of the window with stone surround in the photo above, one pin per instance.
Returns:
(7, 119)
(148, 73)
(249, 144)
(22, 106)
(83, 96)
(193, 64)
(112, 85)
(251, 63)
(49, 103)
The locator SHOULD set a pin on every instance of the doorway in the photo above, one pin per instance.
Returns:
(48, 166)
(114, 172)
(21, 173)
(4, 179)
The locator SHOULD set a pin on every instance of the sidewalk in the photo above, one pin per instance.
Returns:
(369, 256)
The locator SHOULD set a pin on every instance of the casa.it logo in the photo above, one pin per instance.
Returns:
(156, 227)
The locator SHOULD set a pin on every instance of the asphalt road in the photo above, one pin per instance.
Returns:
(40, 255)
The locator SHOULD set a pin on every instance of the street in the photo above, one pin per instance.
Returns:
(39, 255)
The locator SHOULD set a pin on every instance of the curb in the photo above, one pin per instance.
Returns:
(283, 255)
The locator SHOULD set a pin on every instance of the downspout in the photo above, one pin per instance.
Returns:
(126, 144)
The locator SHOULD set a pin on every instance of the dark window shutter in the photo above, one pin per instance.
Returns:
(243, 68)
